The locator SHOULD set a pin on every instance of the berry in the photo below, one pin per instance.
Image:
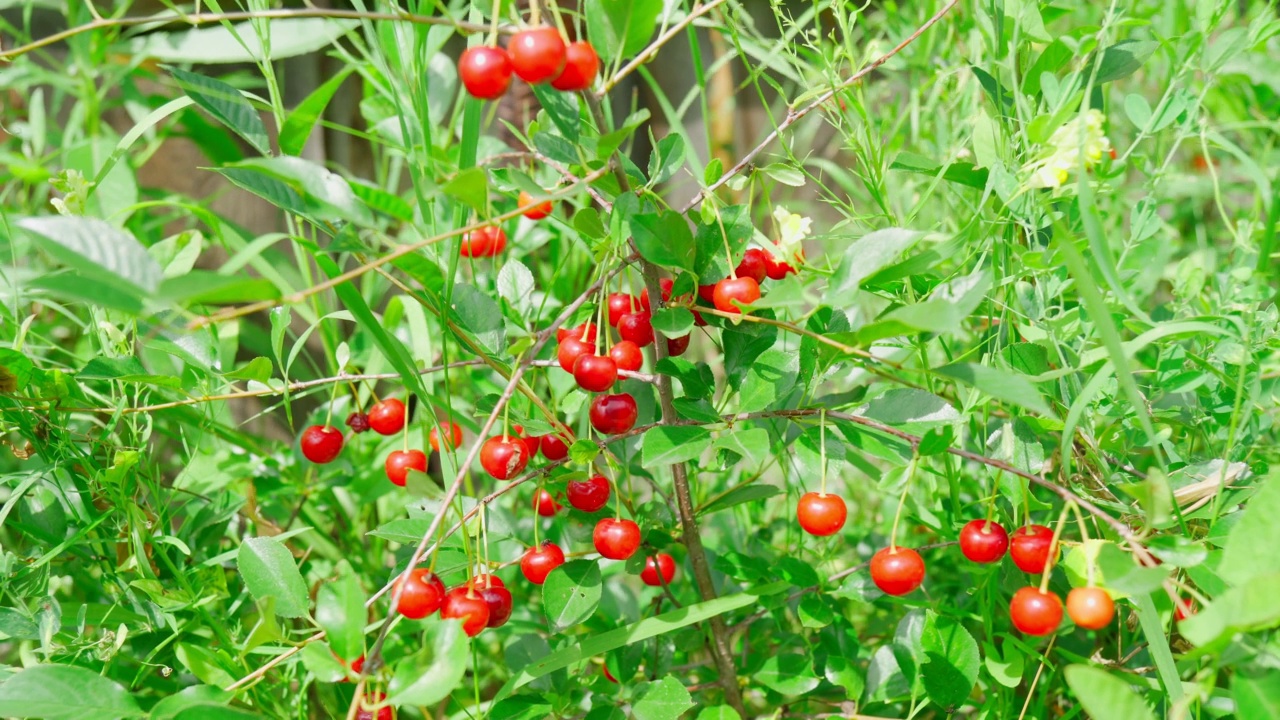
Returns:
(753, 265)
(616, 539)
(384, 713)
(357, 665)
(358, 422)
(321, 443)
(423, 592)
(1090, 607)
(577, 332)
(580, 66)
(485, 581)
(545, 504)
(1029, 548)
(983, 541)
(537, 54)
(554, 447)
(774, 269)
(486, 241)
(897, 571)
(400, 462)
(589, 495)
(452, 436)
(1034, 612)
(613, 414)
(821, 514)
(1184, 608)
(620, 304)
(741, 290)
(707, 293)
(595, 373)
(387, 417)
(485, 71)
(538, 562)
(504, 457)
(666, 285)
(465, 604)
(532, 209)
(665, 563)
(531, 442)
(677, 346)
(627, 356)
(498, 598)
(636, 327)
(571, 348)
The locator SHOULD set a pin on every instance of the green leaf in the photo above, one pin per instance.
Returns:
(1006, 670)
(665, 699)
(909, 406)
(787, 674)
(340, 612)
(952, 662)
(785, 174)
(667, 159)
(621, 29)
(269, 571)
(227, 105)
(196, 695)
(738, 496)
(64, 692)
(479, 315)
(571, 593)
(563, 109)
(671, 444)
(320, 660)
(326, 196)
(999, 384)
(1249, 606)
(696, 379)
(297, 127)
(1257, 528)
(212, 45)
(515, 285)
(664, 239)
(719, 712)
(673, 322)
(210, 288)
(470, 186)
(733, 229)
(751, 443)
(98, 249)
(1124, 59)
(769, 380)
(1257, 697)
(1105, 696)
(961, 173)
(214, 711)
(431, 675)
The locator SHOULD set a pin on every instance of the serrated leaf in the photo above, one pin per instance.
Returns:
(673, 322)
(787, 674)
(769, 380)
(515, 285)
(227, 105)
(999, 384)
(65, 692)
(952, 662)
(664, 239)
(269, 571)
(98, 249)
(571, 593)
(671, 444)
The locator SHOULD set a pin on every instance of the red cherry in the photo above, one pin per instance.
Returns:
(357, 665)
(1034, 612)
(627, 356)
(1029, 548)
(753, 265)
(666, 563)
(1184, 609)
(486, 241)
(466, 604)
(504, 457)
(498, 598)
(423, 592)
(545, 504)
(897, 571)
(485, 71)
(571, 348)
(775, 269)
(580, 66)
(358, 422)
(554, 447)
(321, 443)
(387, 417)
(983, 542)
(595, 373)
(677, 346)
(707, 293)
(538, 562)
(613, 414)
(636, 327)
(384, 713)
(664, 284)
(576, 332)
(531, 442)
(821, 514)
(1090, 607)
(537, 54)
(452, 436)
(532, 209)
(620, 304)
(616, 539)
(743, 290)
(589, 495)
(400, 462)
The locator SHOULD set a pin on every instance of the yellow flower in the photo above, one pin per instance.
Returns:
(792, 230)
(1062, 153)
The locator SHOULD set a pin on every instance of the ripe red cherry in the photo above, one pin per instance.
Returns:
(571, 348)
(666, 285)
(1184, 608)
(400, 462)
(983, 542)
(666, 563)
(486, 241)
(485, 71)
(677, 346)
(483, 580)
(384, 713)
(627, 356)
(497, 597)
(707, 293)
(357, 665)
(589, 495)
(423, 592)
(1034, 612)
(1090, 607)
(452, 436)
(577, 332)
(620, 304)
(775, 269)
(538, 562)
(595, 373)
(554, 447)
(753, 265)
(636, 327)
(580, 66)
(1029, 548)
(532, 209)
(537, 54)
(504, 457)
(545, 504)
(821, 514)
(321, 443)
(387, 417)
(466, 604)
(897, 571)
(358, 422)
(613, 414)
(531, 442)
(616, 539)
(741, 289)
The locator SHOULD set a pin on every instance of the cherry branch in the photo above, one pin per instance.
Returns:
(647, 54)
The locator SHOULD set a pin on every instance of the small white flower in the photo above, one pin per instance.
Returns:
(1062, 153)
(792, 230)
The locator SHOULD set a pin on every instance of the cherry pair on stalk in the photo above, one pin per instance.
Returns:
(482, 602)
(986, 541)
(1039, 612)
(743, 285)
(588, 495)
(322, 444)
(486, 241)
(535, 55)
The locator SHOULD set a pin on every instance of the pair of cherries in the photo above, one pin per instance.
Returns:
(322, 444)
(588, 495)
(984, 541)
(743, 287)
(505, 456)
(535, 55)
(610, 414)
(491, 240)
(895, 570)
(484, 602)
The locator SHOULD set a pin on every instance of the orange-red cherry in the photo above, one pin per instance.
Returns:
(983, 541)
(821, 514)
(554, 447)
(627, 356)
(571, 348)
(585, 332)
(486, 241)
(1029, 548)
(504, 457)
(1090, 607)
(580, 66)
(736, 290)
(465, 603)
(588, 495)
(538, 562)
(531, 442)
(595, 373)
(666, 285)
(422, 594)
(616, 539)
(753, 265)
(665, 563)
(387, 417)
(400, 462)
(537, 54)
(531, 208)
(383, 713)
(452, 436)
(485, 71)
(1034, 612)
(613, 414)
(897, 571)
(545, 503)
(321, 443)
(774, 268)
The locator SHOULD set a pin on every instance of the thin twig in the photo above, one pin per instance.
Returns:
(647, 54)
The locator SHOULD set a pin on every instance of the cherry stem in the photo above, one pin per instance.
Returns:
(902, 500)
(991, 503)
(822, 450)
(493, 29)
(506, 412)
(537, 517)
(333, 395)
(1084, 543)
(1053, 547)
(728, 253)
(535, 13)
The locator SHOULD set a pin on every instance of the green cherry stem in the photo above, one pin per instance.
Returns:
(1053, 547)
(822, 450)
(902, 500)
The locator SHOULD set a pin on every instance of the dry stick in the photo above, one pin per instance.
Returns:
(794, 115)
(648, 53)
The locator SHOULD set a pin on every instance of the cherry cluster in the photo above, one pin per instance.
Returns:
(536, 55)
(482, 602)
(743, 285)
